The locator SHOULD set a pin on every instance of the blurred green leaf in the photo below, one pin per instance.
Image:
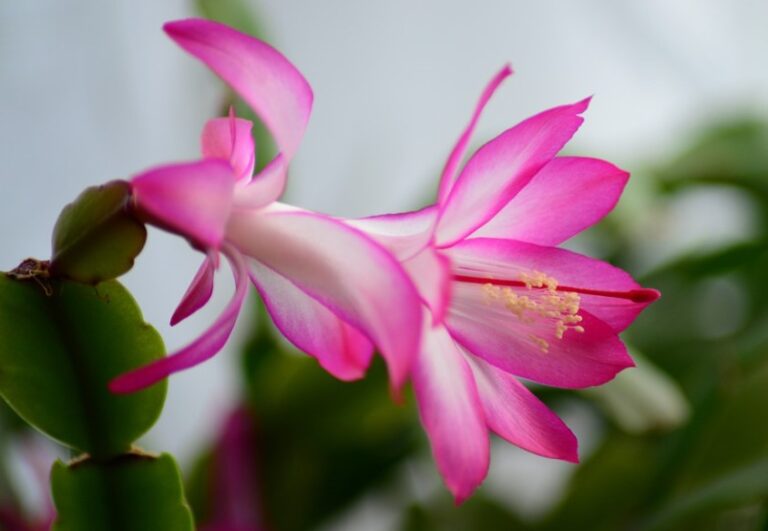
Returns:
(734, 152)
(58, 351)
(477, 513)
(130, 493)
(609, 488)
(96, 238)
(745, 485)
(730, 439)
(234, 13)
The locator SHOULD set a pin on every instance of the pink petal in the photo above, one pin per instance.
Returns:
(265, 187)
(191, 199)
(344, 270)
(339, 347)
(261, 75)
(606, 292)
(568, 195)
(515, 414)
(502, 167)
(575, 361)
(404, 235)
(451, 413)
(217, 142)
(431, 273)
(448, 177)
(201, 349)
(198, 293)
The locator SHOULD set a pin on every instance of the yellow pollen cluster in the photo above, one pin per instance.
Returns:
(562, 307)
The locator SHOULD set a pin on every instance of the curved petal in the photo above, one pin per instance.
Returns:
(515, 414)
(265, 187)
(431, 273)
(201, 349)
(261, 75)
(339, 347)
(534, 350)
(448, 178)
(192, 199)
(198, 293)
(605, 291)
(403, 235)
(344, 270)
(502, 167)
(451, 413)
(567, 196)
(230, 139)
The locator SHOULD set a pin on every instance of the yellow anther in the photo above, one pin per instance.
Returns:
(543, 303)
(542, 344)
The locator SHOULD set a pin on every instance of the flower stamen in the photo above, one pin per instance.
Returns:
(554, 304)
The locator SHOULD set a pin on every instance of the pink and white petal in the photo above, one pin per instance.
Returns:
(202, 348)
(340, 348)
(230, 139)
(265, 187)
(450, 171)
(502, 167)
(431, 273)
(198, 293)
(404, 234)
(261, 75)
(567, 196)
(533, 350)
(343, 269)
(451, 413)
(192, 199)
(605, 291)
(514, 413)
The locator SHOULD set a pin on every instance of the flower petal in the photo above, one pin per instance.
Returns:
(534, 351)
(448, 178)
(230, 139)
(198, 293)
(605, 291)
(404, 234)
(191, 199)
(502, 167)
(344, 270)
(568, 195)
(261, 75)
(201, 349)
(265, 187)
(515, 414)
(431, 273)
(451, 413)
(340, 348)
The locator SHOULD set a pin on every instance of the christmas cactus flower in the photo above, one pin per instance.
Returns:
(501, 301)
(310, 269)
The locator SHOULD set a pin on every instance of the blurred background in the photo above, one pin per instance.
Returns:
(91, 92)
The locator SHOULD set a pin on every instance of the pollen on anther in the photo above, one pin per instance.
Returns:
(543, 303)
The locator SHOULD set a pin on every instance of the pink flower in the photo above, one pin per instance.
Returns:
(501, 301)
(309, 269)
